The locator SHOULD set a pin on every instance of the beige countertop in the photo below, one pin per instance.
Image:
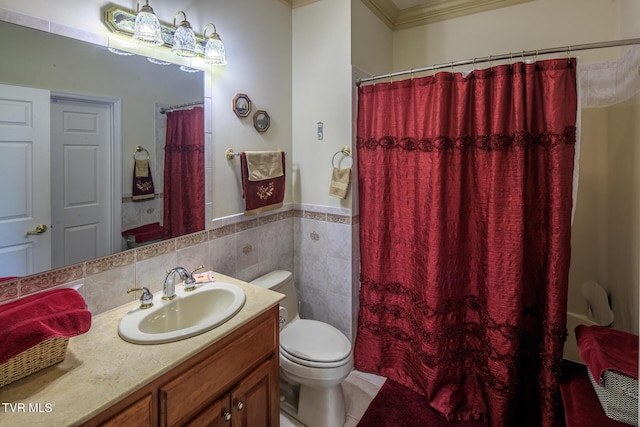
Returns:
(101, 368)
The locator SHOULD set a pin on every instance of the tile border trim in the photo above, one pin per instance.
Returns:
(13, 289)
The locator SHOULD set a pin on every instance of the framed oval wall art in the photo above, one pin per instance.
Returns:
(241, 105)
(261, 121)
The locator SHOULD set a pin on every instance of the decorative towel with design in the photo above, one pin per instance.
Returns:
(340, 179)
(263, 180)
(142, 181)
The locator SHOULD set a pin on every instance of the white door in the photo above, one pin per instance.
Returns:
(24, 180)
(81, 139)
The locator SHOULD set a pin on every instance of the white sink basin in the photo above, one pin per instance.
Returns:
(187, 315)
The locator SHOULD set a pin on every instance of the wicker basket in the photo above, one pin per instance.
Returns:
(43, 355)
(618, 396)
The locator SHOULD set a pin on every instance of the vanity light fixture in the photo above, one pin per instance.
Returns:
(180, 39)
(184, 39)
(214, 52)
(147, 29)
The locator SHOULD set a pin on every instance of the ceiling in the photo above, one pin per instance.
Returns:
(401, 14)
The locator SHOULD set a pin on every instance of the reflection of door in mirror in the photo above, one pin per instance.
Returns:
(81, 180)
(24, 181)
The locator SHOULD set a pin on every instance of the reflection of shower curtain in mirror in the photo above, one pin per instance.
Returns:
(184, 173)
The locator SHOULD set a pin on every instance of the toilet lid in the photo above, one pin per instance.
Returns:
(314, 341)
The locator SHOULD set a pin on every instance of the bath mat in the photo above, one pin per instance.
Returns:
(396, 405)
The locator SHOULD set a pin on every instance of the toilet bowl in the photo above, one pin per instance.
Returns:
(315, 358)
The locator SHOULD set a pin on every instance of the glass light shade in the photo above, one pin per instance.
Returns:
(184, 41)
(147, 28)
(189, 69)
(214, 51)
(158, 61)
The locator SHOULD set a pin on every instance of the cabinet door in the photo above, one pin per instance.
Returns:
(215, 415)
(138, 414)
(182, 397)
(255, 400)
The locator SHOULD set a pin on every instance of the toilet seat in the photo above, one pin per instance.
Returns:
(314, 344)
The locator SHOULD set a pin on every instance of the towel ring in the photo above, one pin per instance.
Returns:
(346, 152)
(140, 149)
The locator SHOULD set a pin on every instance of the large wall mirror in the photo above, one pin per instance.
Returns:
(125, 96)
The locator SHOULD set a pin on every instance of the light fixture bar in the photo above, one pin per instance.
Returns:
(122, 21)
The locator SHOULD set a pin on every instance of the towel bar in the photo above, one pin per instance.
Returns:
(230, 154)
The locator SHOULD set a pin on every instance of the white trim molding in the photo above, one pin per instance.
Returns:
(433, 11)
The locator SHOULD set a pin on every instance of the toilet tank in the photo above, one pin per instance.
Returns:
(281, 281)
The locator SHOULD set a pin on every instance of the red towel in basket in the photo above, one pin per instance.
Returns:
(605, 349)
(27, 322)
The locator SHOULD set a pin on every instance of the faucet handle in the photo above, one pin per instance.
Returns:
(196, 269)
(190, 282)
(146, 299)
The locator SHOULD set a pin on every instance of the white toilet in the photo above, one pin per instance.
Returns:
(315, 358)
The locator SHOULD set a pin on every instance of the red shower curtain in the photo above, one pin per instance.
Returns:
(465, 213)
(184, 173)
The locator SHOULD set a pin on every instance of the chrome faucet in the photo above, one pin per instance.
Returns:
(169, 289)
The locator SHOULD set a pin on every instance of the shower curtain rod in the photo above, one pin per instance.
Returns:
(177, 107)
(510, 56)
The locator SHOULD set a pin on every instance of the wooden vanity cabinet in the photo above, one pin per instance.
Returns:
(238, 376)
(248, 404)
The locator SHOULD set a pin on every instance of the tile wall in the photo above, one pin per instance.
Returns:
(314, 242)
(324, 267)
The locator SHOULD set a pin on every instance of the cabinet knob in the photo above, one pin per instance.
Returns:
(239, 405)
(226, 416)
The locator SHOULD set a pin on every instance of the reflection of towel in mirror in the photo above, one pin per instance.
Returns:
(340, 179)
(266, 190)
(142, 181)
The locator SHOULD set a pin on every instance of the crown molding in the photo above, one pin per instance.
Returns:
(298, 3)
(434, 11)
(385, 10)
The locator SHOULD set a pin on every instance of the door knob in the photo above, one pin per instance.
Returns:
(239, 405)
(39, 230)
(226, 416)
